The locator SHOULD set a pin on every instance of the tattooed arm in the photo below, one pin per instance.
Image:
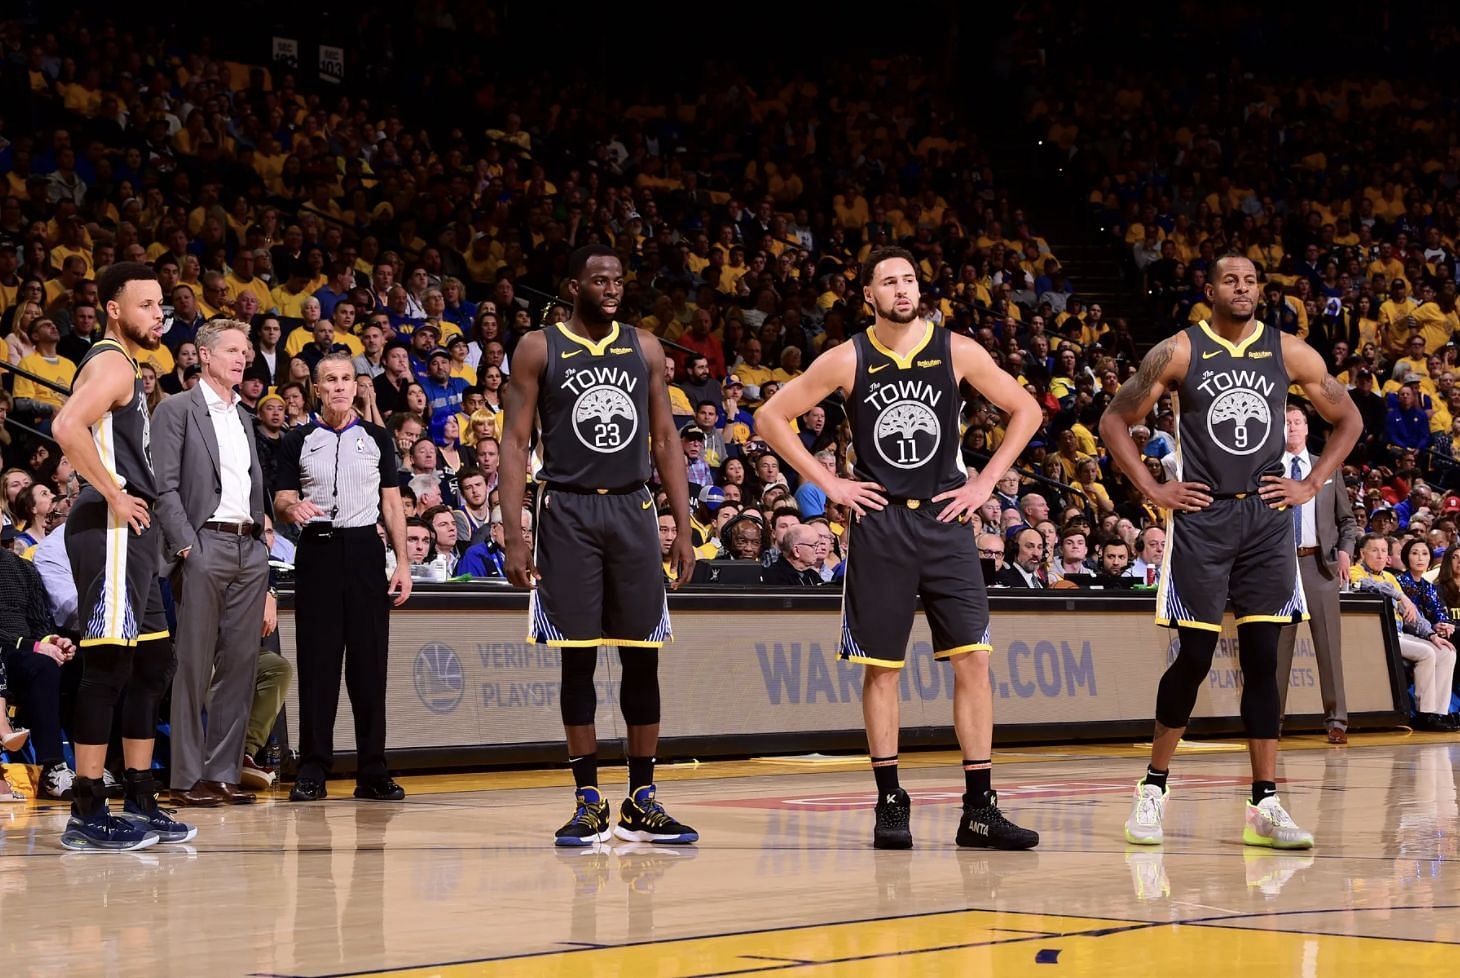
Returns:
(1329, 398)
(1164, 366)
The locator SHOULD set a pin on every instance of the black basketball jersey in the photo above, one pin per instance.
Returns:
(123, 436)
(904, 414)
(593, 404)
(1231, 408)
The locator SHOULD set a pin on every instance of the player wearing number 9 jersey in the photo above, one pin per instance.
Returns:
(911, 539)
(597, 389)
(1230, 528)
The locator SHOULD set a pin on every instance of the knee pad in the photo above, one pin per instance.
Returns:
(578, 699)
(1176, 695)
(1261, 704)
(639, 691)
(105, 669)
(152, 668)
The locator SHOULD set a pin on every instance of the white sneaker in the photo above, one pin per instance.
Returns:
(1143, 828)
(1270, 826)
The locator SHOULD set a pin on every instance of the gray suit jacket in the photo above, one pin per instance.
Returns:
(189, 476)
(1334, 520)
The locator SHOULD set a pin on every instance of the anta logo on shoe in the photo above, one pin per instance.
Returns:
(978, 828)
(892, 799)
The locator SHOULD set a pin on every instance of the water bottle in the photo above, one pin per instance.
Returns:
(273, 756)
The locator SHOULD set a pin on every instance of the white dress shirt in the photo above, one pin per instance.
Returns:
(1309, 534)
(55, 570)
(233, 457)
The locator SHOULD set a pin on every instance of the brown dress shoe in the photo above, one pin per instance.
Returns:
(229, 794)
(198, 796)
(1337, 735)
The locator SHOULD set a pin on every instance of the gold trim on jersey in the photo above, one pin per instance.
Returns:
(1238, 350)
(597, 349)
(903, 362)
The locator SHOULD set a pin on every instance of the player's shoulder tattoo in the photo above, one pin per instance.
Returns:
(1157, 359)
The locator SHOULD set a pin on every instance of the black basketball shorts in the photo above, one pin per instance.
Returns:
(602, 575)
(1242, 548)
(897, 555)
(118, 596)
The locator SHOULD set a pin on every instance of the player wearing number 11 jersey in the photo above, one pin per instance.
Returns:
(912, 496)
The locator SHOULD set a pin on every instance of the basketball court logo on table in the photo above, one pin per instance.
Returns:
(439, 678)
(604, 416)
(908, 433)
(1238, 420)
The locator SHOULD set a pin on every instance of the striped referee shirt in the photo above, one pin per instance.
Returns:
(341, 472)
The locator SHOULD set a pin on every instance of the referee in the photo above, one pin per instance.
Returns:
(336, 477)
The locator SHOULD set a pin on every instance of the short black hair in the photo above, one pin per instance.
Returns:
(578, 260)
(1227, 256)
(710, 403)
(114, 278)
(880, 255)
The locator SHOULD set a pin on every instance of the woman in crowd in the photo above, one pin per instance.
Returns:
(416, 400)
(151, 389)
(185, 356)
(32, 511)
(298, 412)
(451, 455)
(17, 336)
(483, 424)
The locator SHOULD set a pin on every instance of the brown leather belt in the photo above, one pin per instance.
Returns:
(236, 529)
(1307, 551)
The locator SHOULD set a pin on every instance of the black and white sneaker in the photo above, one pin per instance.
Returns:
(983, 826)
(642, 819)
(893, 829)
(57, 783)
(589, 825)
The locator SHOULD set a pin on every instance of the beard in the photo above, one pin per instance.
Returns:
(142, 336)
(1241, 315)
(893, 316)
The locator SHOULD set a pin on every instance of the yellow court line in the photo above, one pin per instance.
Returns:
(973, 943)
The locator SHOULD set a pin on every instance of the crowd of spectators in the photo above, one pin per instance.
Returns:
(741, 217)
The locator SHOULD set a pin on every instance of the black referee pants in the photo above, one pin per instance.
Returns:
(342, 615)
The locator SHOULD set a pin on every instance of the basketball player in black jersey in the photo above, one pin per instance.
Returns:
(115, 555)
(1230, 532)
(599, 392)
(912, 498)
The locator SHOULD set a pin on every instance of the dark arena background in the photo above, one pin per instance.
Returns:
(1086, 205)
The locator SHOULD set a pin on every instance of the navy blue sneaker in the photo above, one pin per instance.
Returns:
(141, 810)
(104, 832)
(642, 819)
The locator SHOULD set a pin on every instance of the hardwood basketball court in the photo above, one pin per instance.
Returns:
(461, 879)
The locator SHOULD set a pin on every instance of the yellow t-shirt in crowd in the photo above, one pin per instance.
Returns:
(299, 338)
(58, 370)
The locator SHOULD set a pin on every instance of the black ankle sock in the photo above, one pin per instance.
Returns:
(641, 773)
(978, 777)
(1157, 778)
(88, 796)
(1263, 789)
(585, 770)
(884, 769)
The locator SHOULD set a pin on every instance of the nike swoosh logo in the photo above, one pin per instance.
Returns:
(873, 370)
(574, 353)
(1205, 356)
(646, 504)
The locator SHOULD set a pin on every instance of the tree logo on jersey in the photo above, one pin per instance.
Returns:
(907, 433)
(1239, 420)
(604, 416)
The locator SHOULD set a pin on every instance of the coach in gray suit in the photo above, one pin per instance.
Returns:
(1326, 533)
(211, 505)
